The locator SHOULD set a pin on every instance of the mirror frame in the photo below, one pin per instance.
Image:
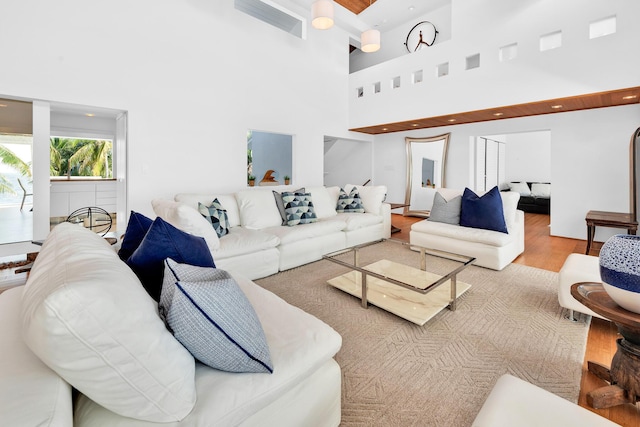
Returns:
(407, 197)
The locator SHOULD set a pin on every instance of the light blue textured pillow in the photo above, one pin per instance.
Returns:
(216, 215)
(446, 211)
(298, 208)
(208, 313)
(349, 202)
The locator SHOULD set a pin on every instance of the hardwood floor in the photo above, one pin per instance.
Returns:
(549, 253)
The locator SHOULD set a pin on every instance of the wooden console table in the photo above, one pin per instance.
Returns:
(608, 219)
(624, 375)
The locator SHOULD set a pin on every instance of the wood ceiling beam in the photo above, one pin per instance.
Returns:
(559, 105)
(355, 6)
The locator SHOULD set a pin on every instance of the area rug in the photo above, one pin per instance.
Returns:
(395, 373)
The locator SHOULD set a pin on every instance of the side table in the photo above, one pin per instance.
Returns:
(624, 374)
(608, 219)
(395, 229)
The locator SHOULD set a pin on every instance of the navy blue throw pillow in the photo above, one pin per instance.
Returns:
(137, 227)
(163, 241)
(483, 212)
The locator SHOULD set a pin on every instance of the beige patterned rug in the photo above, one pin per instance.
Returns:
(396, 373)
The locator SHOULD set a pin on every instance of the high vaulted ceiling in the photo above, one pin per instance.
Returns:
(387, 14)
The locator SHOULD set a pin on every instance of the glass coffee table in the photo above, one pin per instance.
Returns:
(408, 291)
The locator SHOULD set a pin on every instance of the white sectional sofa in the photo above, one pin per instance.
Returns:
(258, 245)
(492, 249)
(83, 319)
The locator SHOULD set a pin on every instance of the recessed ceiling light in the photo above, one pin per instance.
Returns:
(3, 105)
(451, 120)
(630, 97)
(385, 129)
(555, 107)
(411, 8)
(414, 125)
(498, 114)
(89, 114)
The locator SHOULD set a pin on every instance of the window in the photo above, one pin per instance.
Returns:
(442, 69)
(551, 41)
(602, 27)
(81, 157)
(508, 52)
(473, 61)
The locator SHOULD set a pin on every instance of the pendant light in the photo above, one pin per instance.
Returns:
(370, 41)
(322, 13)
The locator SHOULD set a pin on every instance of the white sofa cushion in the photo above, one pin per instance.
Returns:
(372, 196)
(479, 235)
(299, 345)
(520, 187)
(241, 241)
(86, 315)
(258, 209)
(323, 202)
(509, 207)
(306, 231)
(539, 189)
(31, 394)
(187, 219)
(228, 202)
(356, 221)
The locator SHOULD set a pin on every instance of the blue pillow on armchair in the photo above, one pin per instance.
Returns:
(484, 211)
(137, 227)
(163, 241)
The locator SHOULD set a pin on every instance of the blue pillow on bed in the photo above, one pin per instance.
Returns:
(484, 211)
(137, 227)
(163, 241)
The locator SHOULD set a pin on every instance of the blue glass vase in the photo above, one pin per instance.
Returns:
(620, 270)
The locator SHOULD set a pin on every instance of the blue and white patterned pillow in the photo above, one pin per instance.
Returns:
(298, 208)
(217, 217)
(349, 202)
(208, 313)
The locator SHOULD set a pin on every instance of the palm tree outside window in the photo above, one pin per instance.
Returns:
(81, 157)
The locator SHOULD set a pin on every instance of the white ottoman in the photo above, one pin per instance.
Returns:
(514, 402)
(577, 268)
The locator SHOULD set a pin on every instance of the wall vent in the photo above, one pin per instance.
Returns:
(275, 15)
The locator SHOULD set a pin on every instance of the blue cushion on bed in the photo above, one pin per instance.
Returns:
(484, 211)
(137, 227)
(163, 241)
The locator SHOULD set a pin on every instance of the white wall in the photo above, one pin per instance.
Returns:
(580, 66)
(528, 157)
(348, 162)
(392, 41)
(589, 161)
(193, 76)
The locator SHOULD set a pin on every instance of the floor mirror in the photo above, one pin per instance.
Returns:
(426, 171)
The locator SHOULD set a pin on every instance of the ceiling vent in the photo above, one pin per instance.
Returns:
(274, 14)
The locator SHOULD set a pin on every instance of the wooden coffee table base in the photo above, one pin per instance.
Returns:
(622, 389)
(624, 375)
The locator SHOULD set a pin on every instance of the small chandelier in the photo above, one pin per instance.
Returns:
(322, 11)
(370, 41)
